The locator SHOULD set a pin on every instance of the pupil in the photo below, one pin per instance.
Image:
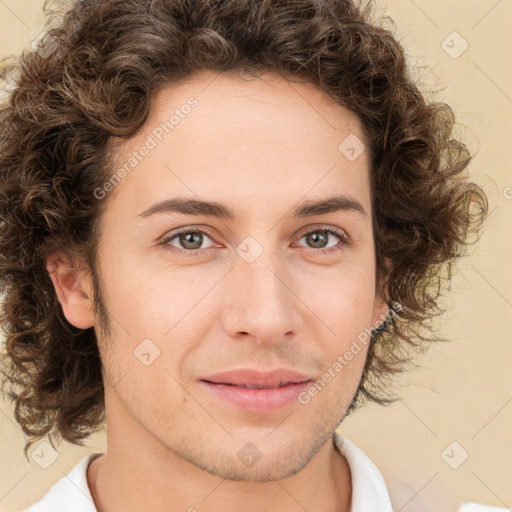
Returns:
(315, 238)
(188, 239)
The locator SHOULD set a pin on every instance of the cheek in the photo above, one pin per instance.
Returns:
(150, 301)
(343, 298)
(154, 320)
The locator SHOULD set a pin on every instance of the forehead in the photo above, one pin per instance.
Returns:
(253, 104)
(218, 135)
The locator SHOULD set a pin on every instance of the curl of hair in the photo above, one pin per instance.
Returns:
(109, 58)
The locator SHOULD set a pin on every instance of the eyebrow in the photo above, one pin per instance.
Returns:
(214, 209)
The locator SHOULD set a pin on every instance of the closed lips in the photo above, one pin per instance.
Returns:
(253, 386)
(253, 379)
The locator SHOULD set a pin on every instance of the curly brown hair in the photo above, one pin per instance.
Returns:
(109, 58)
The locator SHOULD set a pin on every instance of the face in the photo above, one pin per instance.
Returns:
(190, 295)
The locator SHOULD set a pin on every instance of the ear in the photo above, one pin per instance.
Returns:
(73, 285)
(381, 304)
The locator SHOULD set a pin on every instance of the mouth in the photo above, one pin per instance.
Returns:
(254, 378)
(257, 398)
(255, 386)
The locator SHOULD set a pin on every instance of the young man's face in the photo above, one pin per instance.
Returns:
(263, 290)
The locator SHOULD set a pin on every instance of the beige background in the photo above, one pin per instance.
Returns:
(463, 390)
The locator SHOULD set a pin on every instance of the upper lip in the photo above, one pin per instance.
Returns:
(252, 377)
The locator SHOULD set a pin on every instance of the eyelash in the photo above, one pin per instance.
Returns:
(344, 239)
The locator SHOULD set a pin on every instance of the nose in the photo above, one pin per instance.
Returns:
(260, 300)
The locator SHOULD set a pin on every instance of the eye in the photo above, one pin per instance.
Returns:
(319, 237)
(190, 241)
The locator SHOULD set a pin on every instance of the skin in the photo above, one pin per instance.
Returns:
(261, 147)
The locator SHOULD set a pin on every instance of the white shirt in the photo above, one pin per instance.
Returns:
(369, 492)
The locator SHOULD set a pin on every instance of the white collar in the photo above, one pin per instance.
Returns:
(71, 492)
(369, 491)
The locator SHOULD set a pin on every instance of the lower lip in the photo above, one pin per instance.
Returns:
(258, 400)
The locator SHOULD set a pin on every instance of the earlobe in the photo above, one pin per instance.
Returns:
(73, 287)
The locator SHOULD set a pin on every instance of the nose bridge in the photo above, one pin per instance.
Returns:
(260, 300)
